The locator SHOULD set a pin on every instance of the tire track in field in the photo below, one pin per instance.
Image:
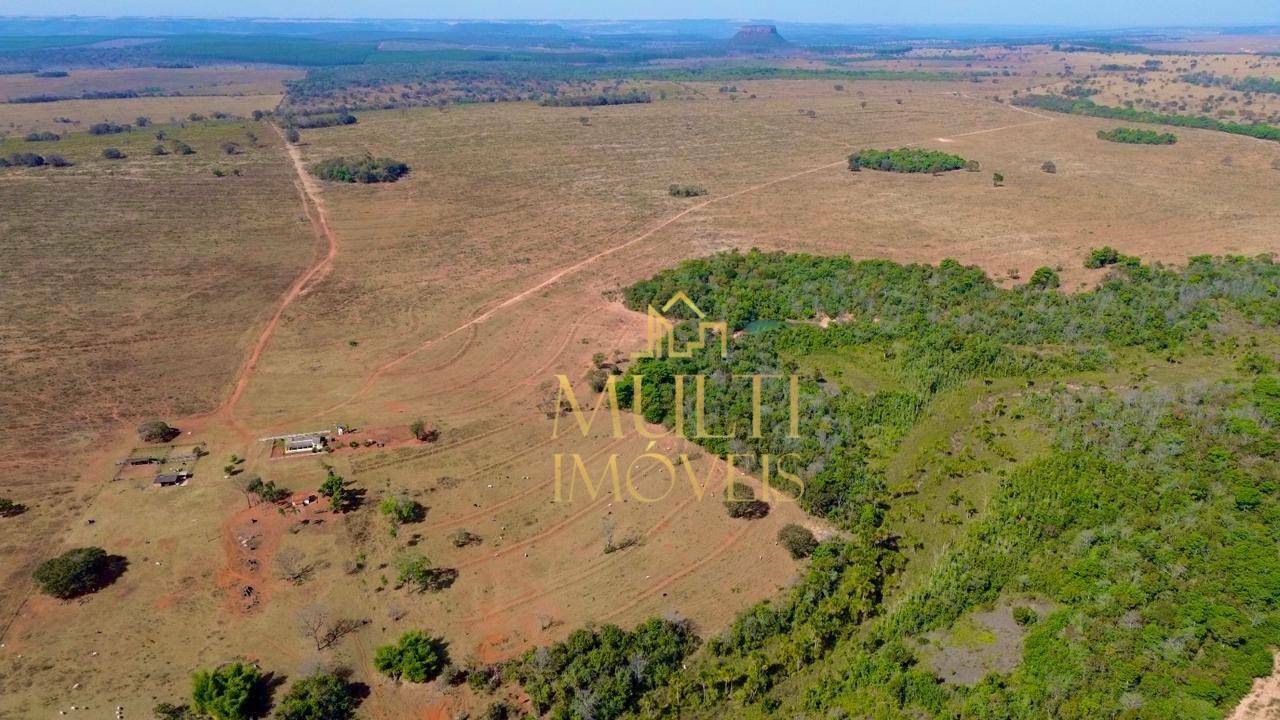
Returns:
(680, 574)
(592, 567)
(432, 451)
(489, 509)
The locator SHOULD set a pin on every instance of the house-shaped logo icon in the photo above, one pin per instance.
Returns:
(662, 332)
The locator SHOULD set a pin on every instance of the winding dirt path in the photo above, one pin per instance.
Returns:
(309, 191)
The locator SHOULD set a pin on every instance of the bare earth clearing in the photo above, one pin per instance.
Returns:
(466, 287)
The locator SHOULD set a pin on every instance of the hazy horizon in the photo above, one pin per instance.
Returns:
(1093, 14)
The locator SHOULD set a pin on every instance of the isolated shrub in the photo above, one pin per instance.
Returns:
(292, 135)
(1025, 616)
(1044, 278)
(598, 379)
(230, 148)
(798, 540)
(997, 179)
(401, 509)
(76, 572)
(1049, 167)
(9, 508)
(112, 153)
(462, 538)
(423, 432)
(1107, 255)
(42, 136)
(155, 431)
(416, 657)
(740, 501)
(367, 169)
(335, 488)
(159, 150)
(182, 148)
(323, 696)
(227, 692)
(169, 711)
(972, 166)
(417, 573)
(106, 128)
(453, 675)
(57, 160)
(26, 159)
(142, 121)
(686, 190)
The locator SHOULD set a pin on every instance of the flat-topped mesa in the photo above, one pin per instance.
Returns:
(757, 36)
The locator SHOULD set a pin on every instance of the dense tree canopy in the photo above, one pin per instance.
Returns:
(227, 692)
(366, 169)
(1135, 136)
(77, 572)
(601, 674)
(322, 696)
(906, 160)
(1149, 518)
(416, 657)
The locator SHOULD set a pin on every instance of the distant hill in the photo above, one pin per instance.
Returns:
(757, 37)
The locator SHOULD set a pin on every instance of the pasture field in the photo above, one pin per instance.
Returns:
(268, 302)
(129, 288)
(18, 119)
(205, 80)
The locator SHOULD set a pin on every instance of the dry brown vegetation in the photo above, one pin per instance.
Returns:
(466, 287)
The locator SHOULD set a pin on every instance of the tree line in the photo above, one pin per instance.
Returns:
(1084, 106)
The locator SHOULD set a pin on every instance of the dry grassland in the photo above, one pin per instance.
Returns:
(127, 291)
(205, 80)
(17, 119)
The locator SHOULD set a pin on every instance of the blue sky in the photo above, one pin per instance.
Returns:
(1081, 13)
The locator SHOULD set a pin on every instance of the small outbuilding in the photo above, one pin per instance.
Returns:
(304, 444)
(169, 479)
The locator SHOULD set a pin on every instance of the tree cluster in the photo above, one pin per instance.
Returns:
(906, 160)
(367, 169)
(1135, 136)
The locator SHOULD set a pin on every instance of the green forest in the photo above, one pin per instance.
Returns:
(1128, 440)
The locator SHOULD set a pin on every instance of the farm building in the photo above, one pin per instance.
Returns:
(304, 444)
(170, 479)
